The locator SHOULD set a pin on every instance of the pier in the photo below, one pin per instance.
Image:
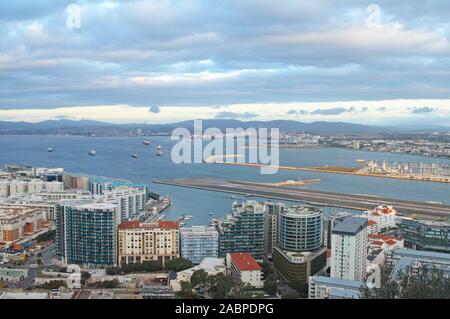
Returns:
(349, 201)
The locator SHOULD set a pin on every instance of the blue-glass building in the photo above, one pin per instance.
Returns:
(199, 242)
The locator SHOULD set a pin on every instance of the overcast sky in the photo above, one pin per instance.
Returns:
(168, 60)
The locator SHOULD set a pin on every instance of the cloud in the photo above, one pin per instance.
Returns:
(154, 109)
(235, 115)
(297, 112)
(334, 111)
(421, 110)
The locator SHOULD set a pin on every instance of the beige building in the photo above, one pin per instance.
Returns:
(18, 222)
(139, 242)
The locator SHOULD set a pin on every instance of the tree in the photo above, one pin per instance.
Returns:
(270, 286)
(221, 286)
(300, 287)
(199, 277)
(85, 276)
(291, 294)
(106, 284)
(186, 291)
(427, 283)
(267, 268)
(111, 271)
(178, 264)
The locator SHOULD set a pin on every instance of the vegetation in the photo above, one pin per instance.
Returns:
(428, 283)
(186, 291)
(300, 287)
(146, 266)
(52, 285)
(107, 284)
(178, 264)
(199, 278)
(85, 276)
(290, 295)
(50, 235)
(270, 286)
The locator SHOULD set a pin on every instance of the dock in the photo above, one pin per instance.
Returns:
(350, 201)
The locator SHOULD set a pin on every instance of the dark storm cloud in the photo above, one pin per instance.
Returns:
(221, 52)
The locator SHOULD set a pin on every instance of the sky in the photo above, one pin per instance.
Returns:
(374, 62)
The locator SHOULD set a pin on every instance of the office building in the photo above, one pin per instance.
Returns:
(86, 233)
(139, 242)
(244, 268)
(349, 245)
(243, 230)
(426, 235)
(199, 242)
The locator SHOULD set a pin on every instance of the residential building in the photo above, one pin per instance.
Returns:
(349, 245)
(243, 230)
(333, 288)
(299, 252)
(426, 235)
(272, 212)
(139, 242)
(131, 202)
(413, 260)
(199, 242)
(17, 222)
(13, 275)
(86, 233)
(380, 219)
(212, 266)
(244, 268)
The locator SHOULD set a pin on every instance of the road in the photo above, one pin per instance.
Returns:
(350, 201)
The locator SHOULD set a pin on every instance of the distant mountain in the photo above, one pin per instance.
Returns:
(87, 127)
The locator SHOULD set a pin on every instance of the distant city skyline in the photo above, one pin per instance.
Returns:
(165, 61)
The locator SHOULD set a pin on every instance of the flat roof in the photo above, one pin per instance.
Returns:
(350, 225)
(338, 282)
(421, 254)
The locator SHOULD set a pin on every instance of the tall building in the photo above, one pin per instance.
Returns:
(243, 230)
(349, 246)
(139, 242)
(272, 212)
(86, 233)
(16, 222)
(426, 235)
(198, 243)
(299, 252)
(131, 202)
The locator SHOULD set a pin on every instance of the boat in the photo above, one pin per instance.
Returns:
(361, 161)
(50, 149)
(146, 142)
(92, 153)
(134, 155)
(210, 214)
(159, 151)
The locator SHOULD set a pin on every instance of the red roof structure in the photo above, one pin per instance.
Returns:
(245, 262)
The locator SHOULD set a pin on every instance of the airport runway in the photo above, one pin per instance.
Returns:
(351, 201)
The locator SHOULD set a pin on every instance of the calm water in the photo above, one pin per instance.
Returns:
(113, 159)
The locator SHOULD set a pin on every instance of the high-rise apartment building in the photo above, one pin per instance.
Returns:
(198, 243)
(272, 212)
(243, 230)
(86, 233)
(349, 244)
(139, 242)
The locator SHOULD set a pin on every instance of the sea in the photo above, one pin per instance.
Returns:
(114, 160)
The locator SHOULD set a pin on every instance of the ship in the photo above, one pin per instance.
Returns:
(159, 151)
(146, 142)
(92, 153)
(50, 149)
(134, 155)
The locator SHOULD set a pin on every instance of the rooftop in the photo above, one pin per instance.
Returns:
(245, 262)
(135, 224)
(350, 225)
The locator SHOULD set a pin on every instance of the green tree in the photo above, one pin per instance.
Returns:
(178, 264)
(199, 277)
(221, 286)
(186, 291)
(427, 283)
(300, 287)
(291, 294)
(111, 271)
(270, 286)
(85, 276)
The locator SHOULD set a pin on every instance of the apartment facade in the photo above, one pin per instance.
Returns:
(139, 242)
(349, 246)
(18, 222)
(244, 268)
(198, 243)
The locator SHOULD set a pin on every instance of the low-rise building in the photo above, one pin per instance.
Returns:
(426, 235)
(13, 275)
(413, 260)
(333, 288)
(380, 219)
(243, 267)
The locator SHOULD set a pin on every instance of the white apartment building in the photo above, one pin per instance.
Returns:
(349, 245)
(380, 219)
(130, 201)
(17, 187)
(243, 267)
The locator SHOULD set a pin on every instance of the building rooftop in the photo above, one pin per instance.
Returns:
(135, 224)
(417, 254)
(245, 261)
(337, 282)
(350, 225)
